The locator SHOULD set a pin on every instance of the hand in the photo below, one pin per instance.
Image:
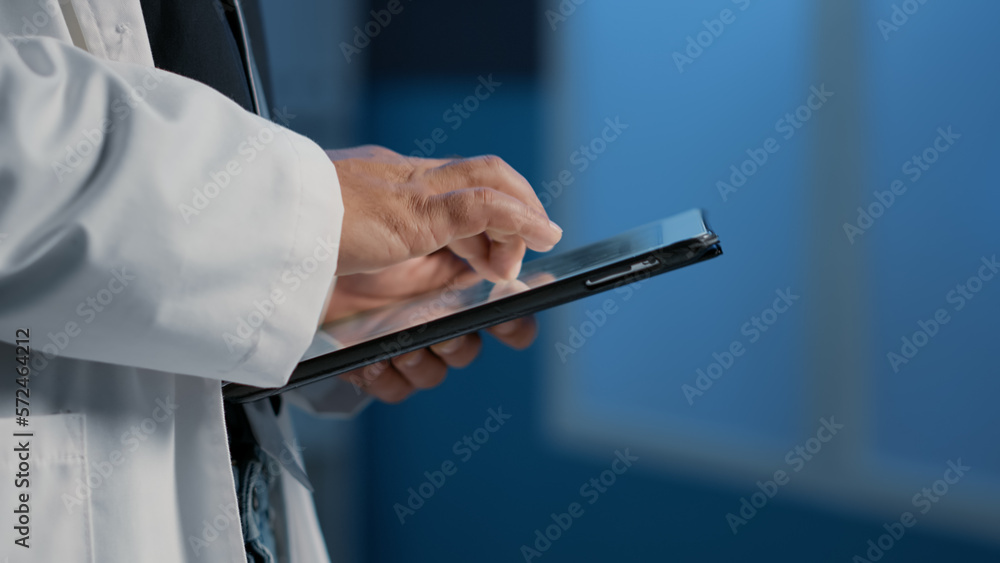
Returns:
(397, 208)
(394, 380)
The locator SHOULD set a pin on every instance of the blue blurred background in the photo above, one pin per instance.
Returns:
(840, 96)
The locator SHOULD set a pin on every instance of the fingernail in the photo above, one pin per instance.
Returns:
(411, 360)
(451, 345)
(554, 226)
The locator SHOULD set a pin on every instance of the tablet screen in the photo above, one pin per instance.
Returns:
(415, 312)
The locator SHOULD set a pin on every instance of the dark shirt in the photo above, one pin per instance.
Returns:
(198, 39)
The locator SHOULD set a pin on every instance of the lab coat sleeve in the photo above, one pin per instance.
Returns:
(148, 221)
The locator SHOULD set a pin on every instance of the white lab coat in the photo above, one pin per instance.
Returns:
(155, 239)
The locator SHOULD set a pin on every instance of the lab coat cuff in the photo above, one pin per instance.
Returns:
(308, 274)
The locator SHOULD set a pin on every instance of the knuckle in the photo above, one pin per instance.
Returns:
(379, 150)
(494, 162)
(462, 205)
(483, 197)
(398, 220)
(455, 206)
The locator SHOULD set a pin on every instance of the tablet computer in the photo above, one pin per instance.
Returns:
(556, 278)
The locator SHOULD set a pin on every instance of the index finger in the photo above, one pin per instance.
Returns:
(489, 171)
(472, 211)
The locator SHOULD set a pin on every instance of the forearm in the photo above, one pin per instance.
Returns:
(151, 222)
